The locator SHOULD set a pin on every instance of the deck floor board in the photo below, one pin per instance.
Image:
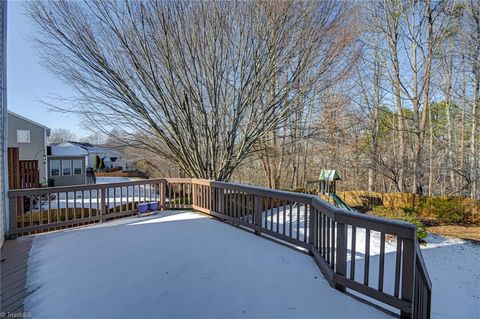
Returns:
(13, 288)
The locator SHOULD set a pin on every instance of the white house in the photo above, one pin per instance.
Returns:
(67, 165)
(112, 158)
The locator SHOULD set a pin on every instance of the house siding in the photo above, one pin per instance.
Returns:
(4, 220)
(67, 180)
(36, 149)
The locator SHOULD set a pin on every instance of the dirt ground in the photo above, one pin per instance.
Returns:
(464, 232)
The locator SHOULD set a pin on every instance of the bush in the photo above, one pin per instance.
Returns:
(102, 164)
(447, 210)
(405, 214)
(96, 163)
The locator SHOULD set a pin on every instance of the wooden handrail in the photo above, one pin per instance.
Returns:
(301, 220)
(73, 188)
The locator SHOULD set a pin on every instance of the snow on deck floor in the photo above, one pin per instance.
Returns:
(175, 265)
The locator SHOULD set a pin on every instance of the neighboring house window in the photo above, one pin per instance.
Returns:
(77, 167)
(23, 136)
(66, 167)
(54, 168)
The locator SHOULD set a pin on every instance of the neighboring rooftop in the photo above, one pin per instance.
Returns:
(94, 148)
(30, 121)
(67, 150)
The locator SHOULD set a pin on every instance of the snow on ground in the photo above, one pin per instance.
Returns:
(75, 199)
(107, 180)
(177, 265)
(453, 264)
(293, 219)
(454, 268)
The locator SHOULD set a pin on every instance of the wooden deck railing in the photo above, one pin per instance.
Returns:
(50, 208)
(390, 269)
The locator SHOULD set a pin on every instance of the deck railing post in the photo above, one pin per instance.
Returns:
(12, 206)
(194, 194)
(103, 205)
(257, 212)
(341, 256)
(190, 193)
(163, 193)
(220, 200)
(408, 273)
(312, 222)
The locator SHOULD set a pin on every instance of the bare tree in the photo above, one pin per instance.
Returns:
(60, 135)
(192, 81)
(473, 34)
(93, 138)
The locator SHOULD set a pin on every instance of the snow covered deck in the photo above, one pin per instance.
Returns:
(185, 264)
(177, 264)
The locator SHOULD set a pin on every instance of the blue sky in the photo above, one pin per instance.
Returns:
(28, 81)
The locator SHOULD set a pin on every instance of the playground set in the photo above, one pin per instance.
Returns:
(326, 187)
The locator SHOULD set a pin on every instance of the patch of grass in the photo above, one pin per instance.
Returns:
(464, 232)
(405, 214)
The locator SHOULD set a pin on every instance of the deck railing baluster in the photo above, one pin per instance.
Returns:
(366, 268)
(66, 206)
(299, 220)
(40, 210)
(290, 217)
(381, 266)
(49, 208)
(353, 253)
(82, 211)
(75, 205)
(89, 203)
(328, 240)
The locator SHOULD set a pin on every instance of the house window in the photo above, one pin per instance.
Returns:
(23, 136)
(77, 167)
(54, 168)
(66, 167)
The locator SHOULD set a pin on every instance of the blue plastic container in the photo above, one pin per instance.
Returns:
(142, 208)
(153, 206)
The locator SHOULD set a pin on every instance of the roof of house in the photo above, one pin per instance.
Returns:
(82, 144)
(329, 175)
(67, 150)
(30, 121)
(95, 149)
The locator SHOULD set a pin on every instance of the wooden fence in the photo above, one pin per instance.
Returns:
(29, 174)
(122, 174)
(469, 207)
(334, 237)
